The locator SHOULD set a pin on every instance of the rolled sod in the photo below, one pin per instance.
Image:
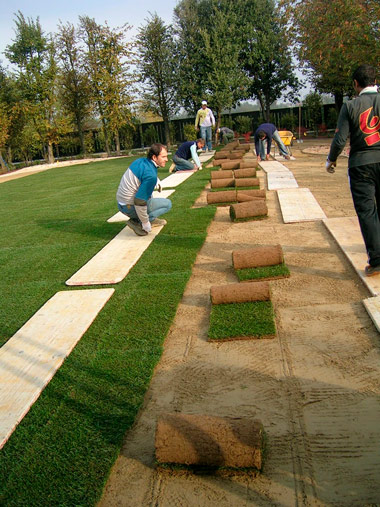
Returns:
(251, 192)
(247, 210)
(247, 198)
(245, 173)
(221, 197)
(242, 321)
(204, 440)
(222, 183)
(221, 154)
(234, 155)
(240, 293)
(231, 164)
(220, 161)
(247, 182)
(217, 175)
(231, 145)
(260, 255)
(248, 162)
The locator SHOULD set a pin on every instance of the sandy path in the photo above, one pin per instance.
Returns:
(315, 386)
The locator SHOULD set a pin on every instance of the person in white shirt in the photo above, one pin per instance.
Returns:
(203, 122)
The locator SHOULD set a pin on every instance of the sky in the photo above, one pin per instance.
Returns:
(51, 12)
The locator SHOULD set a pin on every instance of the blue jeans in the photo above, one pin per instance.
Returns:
(206, 135)
(156, 206)
(181, 164)
(280, 144)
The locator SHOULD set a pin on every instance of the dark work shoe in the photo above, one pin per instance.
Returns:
(372, 270)
(136, 227)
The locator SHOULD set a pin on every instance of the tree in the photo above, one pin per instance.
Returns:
(157, 65)
(107, 61)
(265, 55)
(313, 105)
(226, 83)
(192, 68)
(332, 38)
(209, 46)
(34, 54)
(74, 82)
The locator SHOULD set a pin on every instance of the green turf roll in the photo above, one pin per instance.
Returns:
(260, 255)
(223, 183)
(246, 210)
(217, 175)
(240, 293)
(221, 197)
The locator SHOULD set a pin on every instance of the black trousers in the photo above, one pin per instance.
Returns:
(365, 190)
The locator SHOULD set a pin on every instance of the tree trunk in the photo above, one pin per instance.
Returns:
(50, 153)
(167, 132)
(117, 142)
(81, 135)
(338, 100)
(2, 164)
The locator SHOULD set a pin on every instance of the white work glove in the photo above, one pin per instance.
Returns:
(158, 185)
(200, 168)
(146, 226)
(330, 166)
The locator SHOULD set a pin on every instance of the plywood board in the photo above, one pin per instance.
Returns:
(277, 180)
(299, 205)
(176, 179)
(204, 156)
(114, 261)
(120, 217)
(29, 359)
(372, 305)
(270, 166)
(346, 231)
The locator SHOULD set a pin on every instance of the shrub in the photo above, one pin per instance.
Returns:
(190, 132)
(243, 124)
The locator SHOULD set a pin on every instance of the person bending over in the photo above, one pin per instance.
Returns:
(134, 195)
(268, 131)
(187, 152)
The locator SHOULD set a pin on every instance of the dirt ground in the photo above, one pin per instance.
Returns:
(315, 387)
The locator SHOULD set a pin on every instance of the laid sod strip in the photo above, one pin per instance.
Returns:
(205, 440)
(31, 357)
(62, 451)
(242, 321)
(263, 273)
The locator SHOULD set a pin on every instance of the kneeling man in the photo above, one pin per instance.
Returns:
(134, 195)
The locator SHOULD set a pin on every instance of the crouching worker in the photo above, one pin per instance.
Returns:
(187, 151)
(134, 195)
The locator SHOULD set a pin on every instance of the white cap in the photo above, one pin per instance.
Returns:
(204, 102)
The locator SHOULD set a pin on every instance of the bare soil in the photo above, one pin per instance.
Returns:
(315, 386)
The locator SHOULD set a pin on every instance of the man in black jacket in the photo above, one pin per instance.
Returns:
(360, 119)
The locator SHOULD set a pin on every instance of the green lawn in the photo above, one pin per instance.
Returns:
(52, 223)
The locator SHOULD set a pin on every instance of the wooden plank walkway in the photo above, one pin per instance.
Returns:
(299, 205)
(346, 232)
(114, 261)
(31, 357)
